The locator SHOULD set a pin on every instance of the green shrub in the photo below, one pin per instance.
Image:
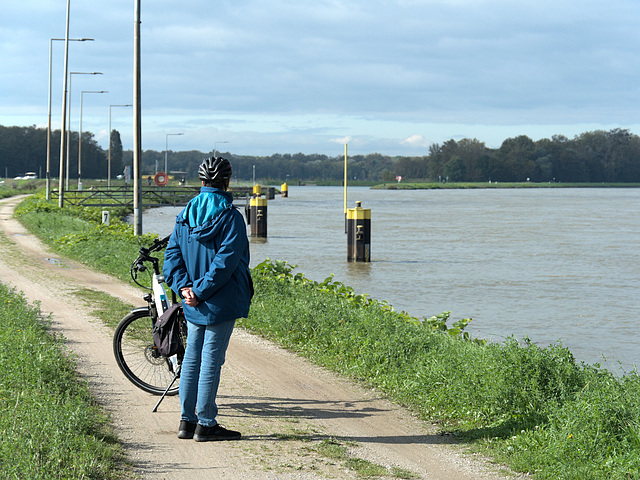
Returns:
(443, 375)
(595, 435)
(535, 407)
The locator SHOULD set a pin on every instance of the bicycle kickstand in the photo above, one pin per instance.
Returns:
(175, 376)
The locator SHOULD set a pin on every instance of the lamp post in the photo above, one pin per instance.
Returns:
(68, 162)
(214, 146)
(166, 149)
(80, 135)
(109, 139)
(48, 172)
(137, 123)
(63, 123)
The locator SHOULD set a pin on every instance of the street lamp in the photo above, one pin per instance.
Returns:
(63, 122)
(48, 173)
(66, 187)
(80, 135)
(166, 148)
(109, 139)
(214, 146)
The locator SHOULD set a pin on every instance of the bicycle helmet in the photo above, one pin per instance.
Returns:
(215, 170)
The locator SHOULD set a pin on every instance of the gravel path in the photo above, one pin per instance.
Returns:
(288, 410)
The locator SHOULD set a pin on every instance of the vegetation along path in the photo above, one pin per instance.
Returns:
(298, 421)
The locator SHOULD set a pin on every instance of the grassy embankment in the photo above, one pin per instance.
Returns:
(50, 426)
(532, 408)
(10, 188)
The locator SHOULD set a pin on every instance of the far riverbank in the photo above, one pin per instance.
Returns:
(475, 185)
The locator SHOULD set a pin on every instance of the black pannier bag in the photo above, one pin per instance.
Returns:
(166, 332)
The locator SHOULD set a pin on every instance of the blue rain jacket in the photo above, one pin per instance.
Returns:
(209, 252)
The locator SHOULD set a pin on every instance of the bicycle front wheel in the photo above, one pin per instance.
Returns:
(138, 357)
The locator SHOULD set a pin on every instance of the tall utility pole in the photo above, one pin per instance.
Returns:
(68, 158)
(166, 150)
(137, 129)
(48, 172)
(63, 126)
(345, 188)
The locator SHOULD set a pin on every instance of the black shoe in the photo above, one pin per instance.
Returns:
(186, 430)
(218, 432)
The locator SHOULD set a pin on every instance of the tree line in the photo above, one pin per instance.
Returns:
(596, 156)
(24, 149)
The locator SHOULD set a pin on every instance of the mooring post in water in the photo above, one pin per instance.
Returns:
(258, 216)
(284, 190)
(359, 234)
(247, 210)
(257, 190)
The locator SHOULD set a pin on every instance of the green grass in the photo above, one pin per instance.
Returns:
(77, 233)
(50, 426)
(535, 409)
(468, 385)
(10, 188)
(103, 306)
(337, 451)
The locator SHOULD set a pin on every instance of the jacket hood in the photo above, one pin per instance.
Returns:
(204, 214)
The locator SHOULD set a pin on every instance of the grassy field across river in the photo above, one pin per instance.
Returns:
(535, 409)
(475, 185)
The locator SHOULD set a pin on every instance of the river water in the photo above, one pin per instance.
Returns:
(550, 264)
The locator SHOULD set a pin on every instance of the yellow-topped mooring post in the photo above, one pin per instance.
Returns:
(359, 234)
(257, 190)
(284, 190)
(258, 216)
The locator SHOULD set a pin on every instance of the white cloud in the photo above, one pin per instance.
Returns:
(315, 71)
(416, 141)
(341, 141)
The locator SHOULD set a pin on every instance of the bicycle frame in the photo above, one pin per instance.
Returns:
(134, 349)
(158, 291)
(160, 294)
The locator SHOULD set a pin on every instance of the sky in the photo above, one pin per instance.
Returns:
(256, 77)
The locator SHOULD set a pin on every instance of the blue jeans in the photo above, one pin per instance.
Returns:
(200, 373)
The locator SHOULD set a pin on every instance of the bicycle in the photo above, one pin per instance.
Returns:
(133, 346)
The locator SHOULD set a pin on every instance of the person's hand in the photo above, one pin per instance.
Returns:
(189, 297)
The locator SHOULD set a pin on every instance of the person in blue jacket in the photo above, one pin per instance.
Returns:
(207, 264)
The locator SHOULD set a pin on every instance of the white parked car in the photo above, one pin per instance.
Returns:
(27, 176)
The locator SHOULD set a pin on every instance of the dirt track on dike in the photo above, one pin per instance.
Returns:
(284, 406)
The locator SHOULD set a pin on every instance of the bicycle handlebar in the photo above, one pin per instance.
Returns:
(155, 247)
(145, 256)
(159, 244)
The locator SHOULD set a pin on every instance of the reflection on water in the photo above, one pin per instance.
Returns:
(550, 264)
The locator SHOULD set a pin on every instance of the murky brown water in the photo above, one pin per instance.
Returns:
(550, 264)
